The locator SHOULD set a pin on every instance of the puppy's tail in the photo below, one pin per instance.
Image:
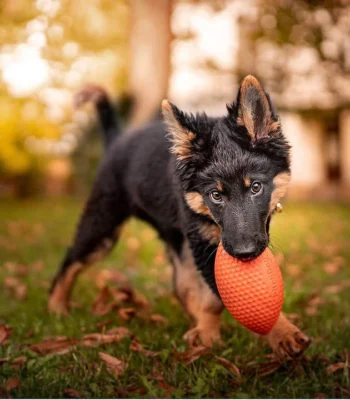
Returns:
(107, 114)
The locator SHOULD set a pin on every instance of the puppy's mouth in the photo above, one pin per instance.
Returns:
(251, 257)
(246, 254)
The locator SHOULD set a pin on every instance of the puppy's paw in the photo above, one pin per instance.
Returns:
(287, 341)
(57, 307)
(208, 337)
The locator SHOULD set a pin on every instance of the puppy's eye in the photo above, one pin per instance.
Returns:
(215, 197)
(256, 187)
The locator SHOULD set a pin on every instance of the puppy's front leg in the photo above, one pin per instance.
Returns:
(286, 340)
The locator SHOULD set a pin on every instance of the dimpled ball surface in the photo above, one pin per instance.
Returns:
(252, 291)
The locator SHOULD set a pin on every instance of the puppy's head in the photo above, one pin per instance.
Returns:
(233, 169)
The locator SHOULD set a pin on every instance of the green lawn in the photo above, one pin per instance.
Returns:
(313, 246)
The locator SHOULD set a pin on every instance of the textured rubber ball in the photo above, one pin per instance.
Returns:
(252, 291)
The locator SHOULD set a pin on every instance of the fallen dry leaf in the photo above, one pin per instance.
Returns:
(72, 393)
(102, 305)
(127, 313)
(108, 275)
(134, 297)
(15, 268)
(119, 296)
(334, 367)
(191, 355)
(136, 345)
(114, 335)
(54, 346)
(268, 368)
(5, 333)
(30, 333)
(102, 325)
(18, 362)
(319, 396)
(229, 366)
(115, 366)
(16, 286)
(157, 318)
(119, 330)
(167, 388)
(12, 383)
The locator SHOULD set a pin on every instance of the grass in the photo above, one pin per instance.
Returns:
(315, 239)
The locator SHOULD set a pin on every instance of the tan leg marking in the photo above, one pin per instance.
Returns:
(281, 182)
(197, 299)
(59, 298)
(286, 340)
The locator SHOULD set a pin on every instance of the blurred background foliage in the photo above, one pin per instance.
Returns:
(193, 51)
(48, 49)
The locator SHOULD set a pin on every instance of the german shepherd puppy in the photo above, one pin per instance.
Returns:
(197, 180)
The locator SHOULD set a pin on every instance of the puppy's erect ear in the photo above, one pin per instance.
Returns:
(181, 137)
(254, 111)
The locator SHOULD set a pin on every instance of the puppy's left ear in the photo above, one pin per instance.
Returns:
(177, 123)
(254, 110)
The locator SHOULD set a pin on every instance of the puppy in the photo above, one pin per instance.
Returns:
(197, 180)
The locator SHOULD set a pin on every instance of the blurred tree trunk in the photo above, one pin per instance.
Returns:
(149, 57)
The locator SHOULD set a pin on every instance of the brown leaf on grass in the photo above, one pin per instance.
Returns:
(16, 286)
(191, 355)
(268, 368)
(229, 366)
(5, 333)
(157, 318)
(334, 289)
(18, 362)
(134, 297)
(54, 346)
(319, 396)
(342, 391)
(37, 265)
(334, 367)
(136, 345)
(127, 313)
(16, 269)
(102, 304)
(30, 333)
(119, 296)
(72, 393)
(102, 325)
(12, 383)
(332, 268)
(311, 311)
(167, 388)
(115, 366)
(122, 331)
(114, 335)
(107, 275)
(293, 270)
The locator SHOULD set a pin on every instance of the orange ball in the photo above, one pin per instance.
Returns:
(252, 291)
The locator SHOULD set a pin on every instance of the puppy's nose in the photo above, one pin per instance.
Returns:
(243, 251)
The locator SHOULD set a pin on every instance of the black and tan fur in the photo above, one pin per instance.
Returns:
(196, 180)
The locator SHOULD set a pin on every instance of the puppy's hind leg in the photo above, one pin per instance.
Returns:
(95, 237)
(197, 298)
